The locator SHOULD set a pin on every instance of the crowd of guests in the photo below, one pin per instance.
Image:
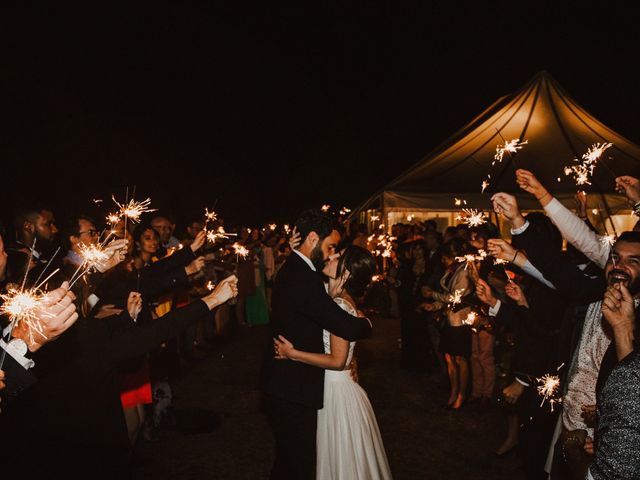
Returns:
(492, 317)
(123, 329)
(481, 306)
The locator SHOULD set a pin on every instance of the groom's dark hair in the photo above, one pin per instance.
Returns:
(315, 220)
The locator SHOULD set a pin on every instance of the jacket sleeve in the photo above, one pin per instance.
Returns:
(180, 258)
(130, 342)
(17, 378)
(565, 276)
(328, 314)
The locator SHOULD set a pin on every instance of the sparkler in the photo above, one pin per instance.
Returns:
(93, 255)
(210, 216)
(608, 239)
(287, 229)
(132, 210)
(240, 250)
(210, 286)
(547, 388)
(455, 298)
(272, 226)
(377, 278)
(471, 319)
(500, 261)
(375, 218)
(213, 235)
(472, 217)
(470, 258)
(459, 201)
(410, 217)
(344, 210)
(583, 171)
(113, 219)
(325, 208)
(509, 147)
(22, 305)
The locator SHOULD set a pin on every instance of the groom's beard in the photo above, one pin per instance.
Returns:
(317, 258)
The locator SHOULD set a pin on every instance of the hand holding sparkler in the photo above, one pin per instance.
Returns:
(503, 250)
(581, 204)
(195, 266)
(225, 290)
(515, 293)
(484, 293)
(198, 242)
(55, 313)
(507, 206)
(134, 305)
(512, 392)
(629, 187)
(114, 253)
(529, 183)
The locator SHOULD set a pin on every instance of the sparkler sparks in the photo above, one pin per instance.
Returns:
(240, 250)
(345, 210)
(584, 169)
(24, 306)
(410, 217)
(113, 219)
(459, 201)
(210, 286)
(93, 256)
(325, 208)
(472, 217)
(377, 278)
(133, 210)
(456, 298)
(510, 147)
(210, 216)
(470, 258)
(471, 319)
(608, 239)
(500, 261)
(287, 229)
(272, 226)
(213, 235)
(547, 388)
(375, 218)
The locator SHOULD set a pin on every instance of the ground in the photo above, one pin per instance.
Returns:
(422, 439)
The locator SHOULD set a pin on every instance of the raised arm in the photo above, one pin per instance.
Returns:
(572, 227)
(336, 360)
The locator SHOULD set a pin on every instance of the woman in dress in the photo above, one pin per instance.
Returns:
(455, 342)
(349, 445)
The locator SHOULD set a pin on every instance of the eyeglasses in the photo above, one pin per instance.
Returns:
(92, 232)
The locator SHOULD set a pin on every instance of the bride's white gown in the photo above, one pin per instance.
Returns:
(348, 438)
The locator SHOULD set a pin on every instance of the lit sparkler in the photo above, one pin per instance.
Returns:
(272, 226)
(113, 219)
(210, 286)
(459, 202)
(510, 147)
(410, 217)
(325, 207)
(213, 235)
(375, 218)
(484, 185)
(500, 261)
(595, 152)
(472, 217)
(345, 210)
(456, 297)
(547, 388)
(471, 319)
(240, 250)
(287, 229)
(21, 305)
(608, 240)
(210, 216)
(584, 169)
(377, 278)
(93, 256)
(133, 210)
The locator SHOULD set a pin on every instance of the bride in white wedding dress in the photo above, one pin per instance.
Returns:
(349, 445)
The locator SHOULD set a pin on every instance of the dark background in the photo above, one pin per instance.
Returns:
(268, 110)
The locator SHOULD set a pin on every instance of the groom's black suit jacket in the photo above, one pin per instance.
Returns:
(301, 310)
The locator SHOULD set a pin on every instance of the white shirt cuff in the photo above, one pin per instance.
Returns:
(522, 383)
(25, 362)
(493, 311)
(519, 230)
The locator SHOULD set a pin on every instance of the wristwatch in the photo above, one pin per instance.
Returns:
(18, 346)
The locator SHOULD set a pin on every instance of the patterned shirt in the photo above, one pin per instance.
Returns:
(583, 375)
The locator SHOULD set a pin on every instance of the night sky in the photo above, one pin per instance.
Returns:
(268, 110)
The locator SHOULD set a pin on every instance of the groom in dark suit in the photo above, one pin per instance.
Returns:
(301, 310)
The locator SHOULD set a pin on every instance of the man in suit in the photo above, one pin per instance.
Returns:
(593, 354)
(301, 310)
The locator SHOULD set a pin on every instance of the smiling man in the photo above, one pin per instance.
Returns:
(593, 355)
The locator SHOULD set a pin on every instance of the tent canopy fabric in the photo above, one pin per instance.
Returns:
(557, 130)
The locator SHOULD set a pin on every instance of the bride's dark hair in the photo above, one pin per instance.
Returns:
(361, 267)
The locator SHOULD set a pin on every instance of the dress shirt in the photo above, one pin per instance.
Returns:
(306, 260)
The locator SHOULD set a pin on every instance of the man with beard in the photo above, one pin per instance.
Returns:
(34, 245)
(593, 354)
(301, 310)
